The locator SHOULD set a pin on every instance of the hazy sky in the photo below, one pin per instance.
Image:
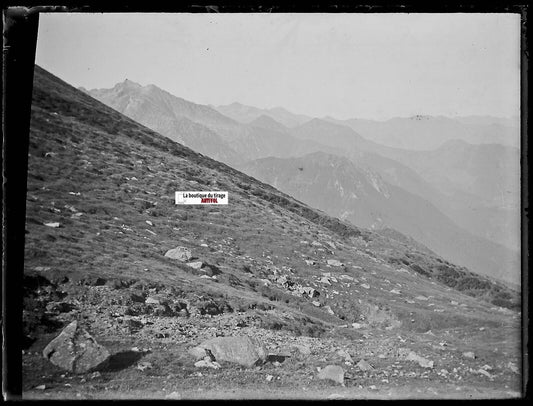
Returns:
(342, 65)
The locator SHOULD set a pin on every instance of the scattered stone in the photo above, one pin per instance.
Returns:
(303, 349)
(141, 366)
(483, 372)
(469, 354)
(333, 373)
(180, 253)
(174, 396)
(335, 396)
(344, 354)
(309, 291)
(316, 303)
(152, 300)
(310, 262)
(366, 286)
(204, 245)
(40, 387)
(149, 223)
(423, 362)
(395, 291)
(53, 225)
(421, 298)
(325, 280)
(195, 265)
(364, 366)
(75, 350)
(329, 310)
(334, 262)
(269, 378)
(241, 350)
(512, 366)
(357, 325)
(207, 363)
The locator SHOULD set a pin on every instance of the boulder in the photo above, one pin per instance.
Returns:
(332, 373)
(180, 253)
(469, 354)
(325, 280)
(334, 262)
(302, 349)
(197, 353)
(364, 366)
(206, 363)
(75, 350)
(195, 265)
(423, 362)
(344, 354)
(241, 350)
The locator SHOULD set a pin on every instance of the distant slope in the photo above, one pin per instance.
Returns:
(269, 123)
(200, 127)
(429, 132)
(171, 116)
(247, 114)
(342, 189)
(477, 186)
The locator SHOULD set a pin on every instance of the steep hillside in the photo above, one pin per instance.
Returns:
(313, 289)
(342, 189)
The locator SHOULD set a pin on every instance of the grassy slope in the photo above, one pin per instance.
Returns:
(87, 158)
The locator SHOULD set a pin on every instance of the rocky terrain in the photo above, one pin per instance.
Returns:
(127, 295)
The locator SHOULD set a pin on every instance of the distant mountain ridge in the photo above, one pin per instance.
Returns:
(340, 188)
(247, 114)
(430, 132)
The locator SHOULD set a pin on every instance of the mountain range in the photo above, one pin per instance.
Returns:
(472, 189)
(114, 270)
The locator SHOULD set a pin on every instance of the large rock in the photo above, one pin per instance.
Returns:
(241, 350)
(364, 366)
(180, 253)
(423, 362)
(334, 262)
(75, 350)
(332, 373)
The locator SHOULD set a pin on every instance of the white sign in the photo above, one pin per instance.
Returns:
(201, 197)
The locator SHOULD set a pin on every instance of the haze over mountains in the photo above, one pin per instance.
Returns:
(459, 188)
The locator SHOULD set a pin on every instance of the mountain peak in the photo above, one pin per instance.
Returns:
(128, 84)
